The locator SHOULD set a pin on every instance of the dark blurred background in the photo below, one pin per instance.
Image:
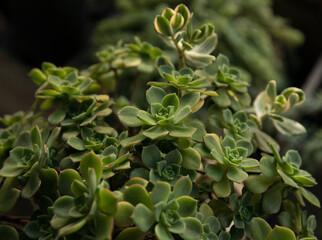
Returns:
(61, 31)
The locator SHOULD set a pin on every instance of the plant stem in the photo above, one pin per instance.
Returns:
(135, 87)
(201, 172)
(180, 52)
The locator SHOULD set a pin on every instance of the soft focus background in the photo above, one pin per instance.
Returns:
(278, 39)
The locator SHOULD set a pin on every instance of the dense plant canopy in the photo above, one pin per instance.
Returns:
(196, 163)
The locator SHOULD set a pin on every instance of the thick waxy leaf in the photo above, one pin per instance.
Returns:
(288, 180)
(32, 229)
(160, 192)
(8, 232)
(72, 227)
(10, 167)
(143, 217)
(155, 132)
(171, 100)
(104, 226)
(76, 143)
(281, 233)
(8, 196)
(190, 158)
(236, 174)
(128, 115)
(162, 26)
(132, 233)
(63, 205)
(182, 187)
(122, 216)
(189, 99)
(33, 182)
(259, 183)
(146, 118)
(150, 156)
(272, 200)
(212, 142)
(187, 206)
(260, 105)
(289, 127)
(37, 76)
(264, 141)
(155, 95)
(181, 114)
(193, 228)
(162, 233)
(90, 160)
(127, 142)
(57, 117)
(36, 136)
(107, 201)
(66, 179)
(216, 172)
(271, 91)
(259, 228)
(310, 197)
(268, 167)
(222, 188)
(181, 132)
(177, 227)
(136, 194)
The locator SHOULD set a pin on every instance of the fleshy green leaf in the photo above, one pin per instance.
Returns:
(281, 233)
(193, 228)
(143, 217)
(128, 115)
(160, 192)
(258, 183)
(90, 160)
(236, 174)
(107, 201)
(182, 187)
(150, 156)
(122, 216)
(162, 233)
(8, 232)
(171, 100)
(216, 172)
(181, 132)
(132, 233)
(57, 117)
(155, 132)
(66, 179)
(310, 197)
(155, 95)
(136, 194)
(259, 228)
(222, 188)
(289, 127)
(190, 158)
(187, 206)
(162, 26)
(76, 143)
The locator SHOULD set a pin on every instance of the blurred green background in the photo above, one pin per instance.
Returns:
(267, 39)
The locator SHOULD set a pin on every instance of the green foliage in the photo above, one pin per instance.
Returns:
(95, 167)
(250, 34)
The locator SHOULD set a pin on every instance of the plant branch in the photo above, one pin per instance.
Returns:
(180, 52)
(201, 172)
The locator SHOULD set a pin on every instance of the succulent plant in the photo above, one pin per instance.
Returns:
(95, 168)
